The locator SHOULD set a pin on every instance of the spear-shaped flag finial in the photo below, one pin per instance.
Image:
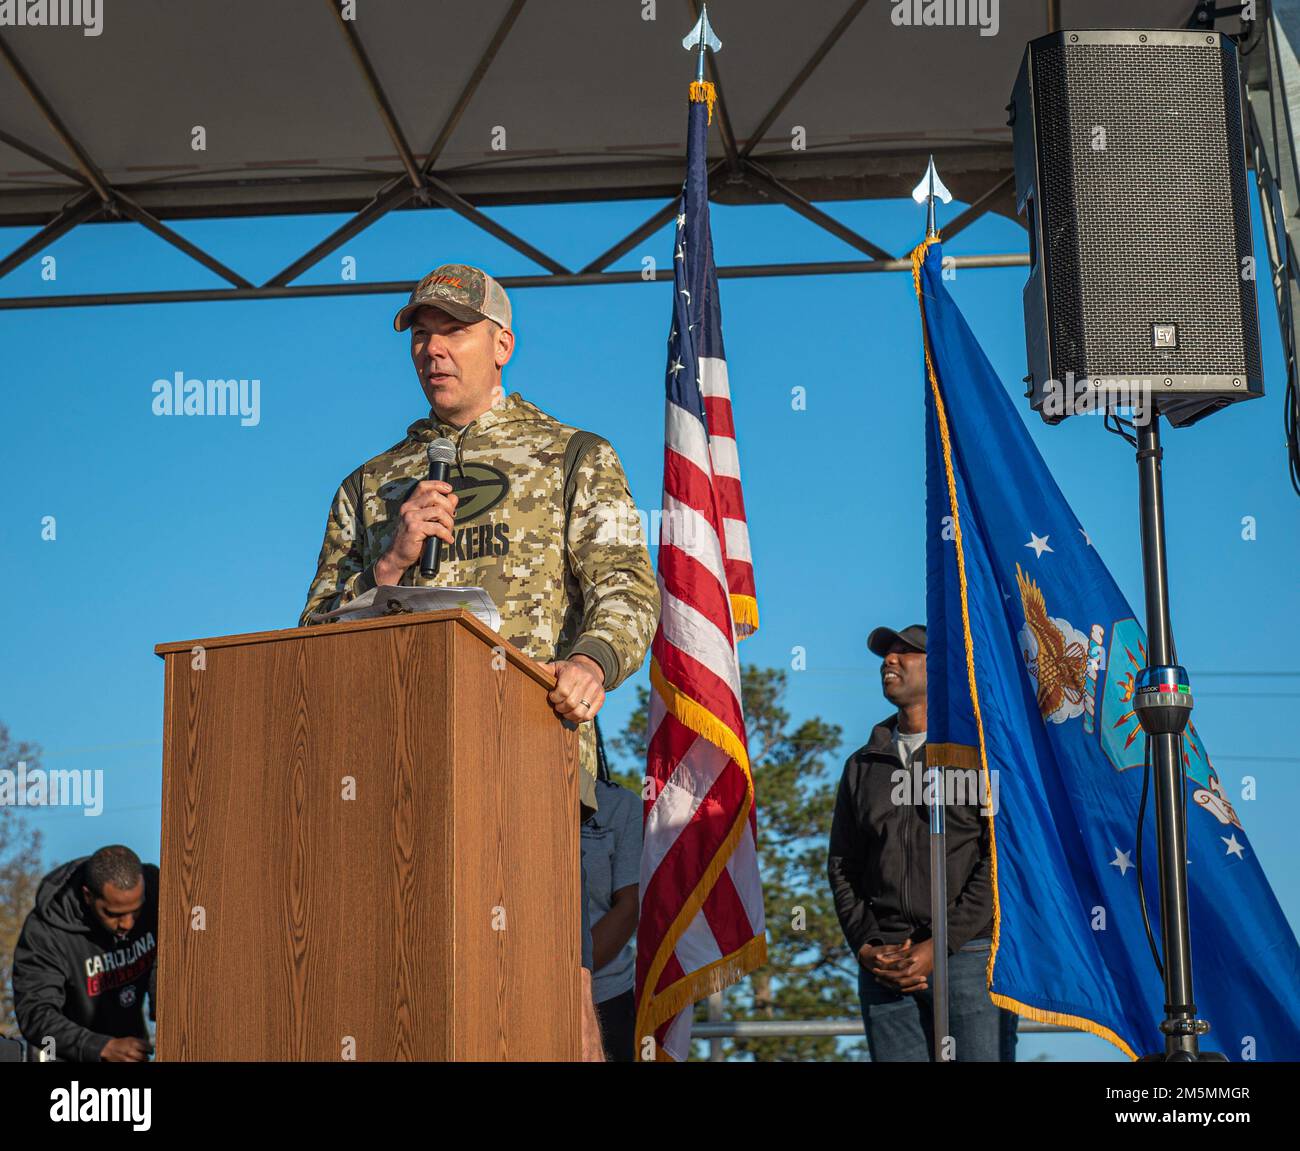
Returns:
(925, 193)
(702, 34)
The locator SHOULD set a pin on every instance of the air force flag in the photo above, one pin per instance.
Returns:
(1032, 656)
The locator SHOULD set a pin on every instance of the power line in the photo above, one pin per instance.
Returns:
(830, 747)
(1247, 694)
(40, 811)
(1261, 758)
(59, 753)
(871, 669)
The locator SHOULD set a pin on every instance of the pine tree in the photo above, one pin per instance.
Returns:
(20, 872)
(810, 973)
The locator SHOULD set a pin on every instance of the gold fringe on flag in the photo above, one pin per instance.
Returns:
(744, 614)
(705, 981)
(703, 92)
(654, 1007)
(1037, 1014)
(699, 718)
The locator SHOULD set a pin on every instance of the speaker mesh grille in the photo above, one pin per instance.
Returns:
(1147, 224)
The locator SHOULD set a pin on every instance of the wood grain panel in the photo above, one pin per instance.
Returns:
(516, 947)
(367, 919)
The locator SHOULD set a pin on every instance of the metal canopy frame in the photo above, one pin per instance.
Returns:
(1278, 177)
(420, 185)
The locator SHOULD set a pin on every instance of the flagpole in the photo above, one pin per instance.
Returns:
(703, 35)
(931, 188)
(939, 907)
(669, 982)
(930, 229)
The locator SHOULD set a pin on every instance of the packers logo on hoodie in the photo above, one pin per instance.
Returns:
(480, 488)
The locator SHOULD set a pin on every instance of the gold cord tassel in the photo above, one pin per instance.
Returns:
(702, 91)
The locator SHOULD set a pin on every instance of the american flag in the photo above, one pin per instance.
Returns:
(701, 925)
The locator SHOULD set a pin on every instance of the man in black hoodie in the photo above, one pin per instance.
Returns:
(879, 869)
(85, 960)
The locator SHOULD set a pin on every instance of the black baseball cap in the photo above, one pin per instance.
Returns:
(882, 639)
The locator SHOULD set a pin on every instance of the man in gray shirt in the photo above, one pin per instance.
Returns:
(611, 857)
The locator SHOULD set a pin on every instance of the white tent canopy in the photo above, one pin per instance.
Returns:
(460, 106)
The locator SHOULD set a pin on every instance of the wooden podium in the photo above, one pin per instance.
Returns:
(369, 848)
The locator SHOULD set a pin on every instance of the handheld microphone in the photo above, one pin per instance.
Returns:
(442, 454)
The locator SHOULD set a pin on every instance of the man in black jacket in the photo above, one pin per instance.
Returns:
(879, 869)
(85, 960)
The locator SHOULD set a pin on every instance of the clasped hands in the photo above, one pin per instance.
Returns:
(902, 967)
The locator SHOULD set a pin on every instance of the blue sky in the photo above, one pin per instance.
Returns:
(174, 528)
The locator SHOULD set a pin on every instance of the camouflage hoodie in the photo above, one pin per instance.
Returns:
(568, 570)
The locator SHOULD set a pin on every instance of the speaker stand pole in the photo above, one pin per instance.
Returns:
(1163, 703)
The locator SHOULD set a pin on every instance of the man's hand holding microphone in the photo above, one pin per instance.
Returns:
(429, 515)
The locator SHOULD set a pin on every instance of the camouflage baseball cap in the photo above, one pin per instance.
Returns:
(461, 291)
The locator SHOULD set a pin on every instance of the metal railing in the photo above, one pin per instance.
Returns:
(717, 1029)
(824, 1029)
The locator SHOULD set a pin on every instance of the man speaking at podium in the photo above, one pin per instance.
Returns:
(537, 513)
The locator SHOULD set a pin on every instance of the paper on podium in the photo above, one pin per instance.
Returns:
(389, 600)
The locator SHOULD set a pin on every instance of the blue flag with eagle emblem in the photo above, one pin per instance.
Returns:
(1031, 660)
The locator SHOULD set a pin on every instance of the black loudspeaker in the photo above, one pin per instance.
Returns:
(1131, 166)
